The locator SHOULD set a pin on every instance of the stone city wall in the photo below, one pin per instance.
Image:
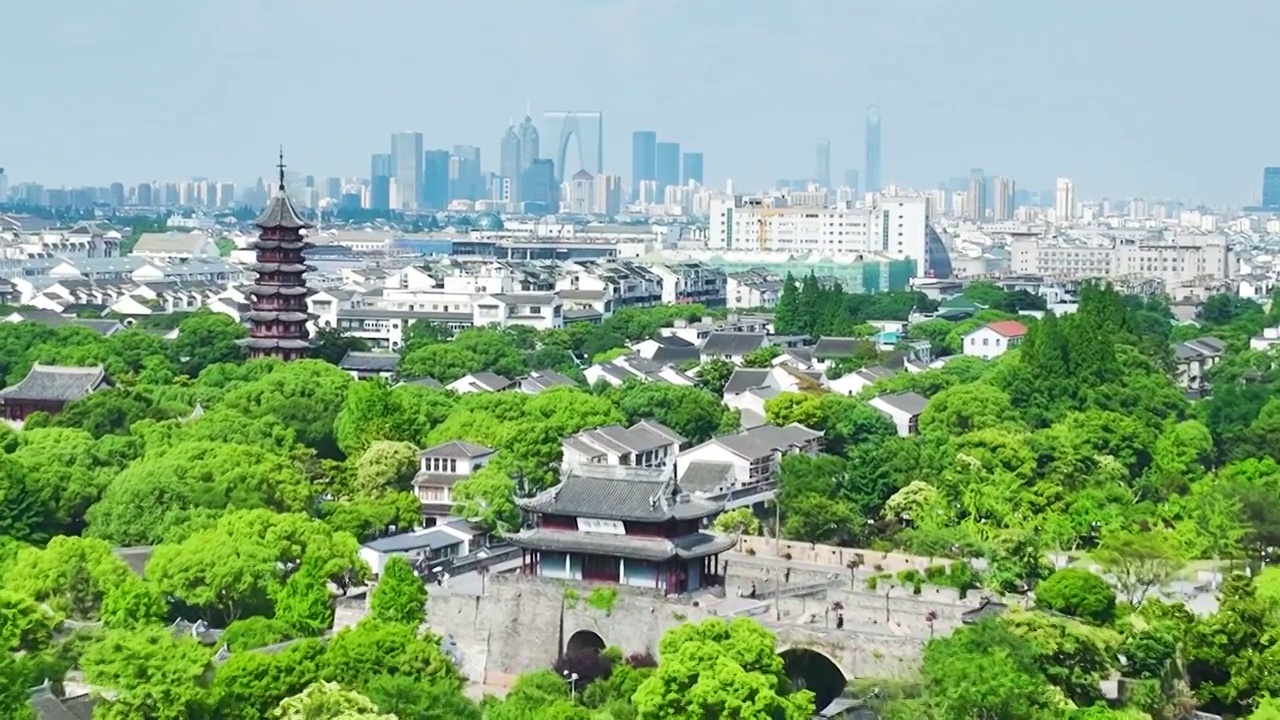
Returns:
(834, 556)
(521, 624)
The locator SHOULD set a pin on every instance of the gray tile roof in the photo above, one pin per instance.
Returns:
(56, 383)
(491, 381)
(582, 314)
(907, 402)
(135, 557)
(48, 706)
(281, 213)
(732, 343)
(676, 355)
(456, 449)
(540, 380)
(689, 547)
(170, 242)
(44, 317)
(619, 492)
(1204, 347)
(744, 379)
(766, 439)
(706, 477)
(644, 435)
(369, 361)
(426, 382)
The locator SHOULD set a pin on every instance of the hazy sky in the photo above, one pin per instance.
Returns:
(1126, 97)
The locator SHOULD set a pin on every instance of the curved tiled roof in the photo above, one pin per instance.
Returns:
(56, 383)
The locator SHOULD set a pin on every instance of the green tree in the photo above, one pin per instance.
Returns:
(371, 649)
(386, 466)
(400, 596)
(329, 701)
(151, 675)
(304, 604)
(720, 669)
(714, 374)
(1010, 686)
(1140, 562)
(1078, 593)
(411, 699)
(739, 521)
(72, 575)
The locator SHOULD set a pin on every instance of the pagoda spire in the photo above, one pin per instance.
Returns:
(281, 167)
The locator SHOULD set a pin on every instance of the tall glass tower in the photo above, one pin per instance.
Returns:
(644, 159)
(872, 170)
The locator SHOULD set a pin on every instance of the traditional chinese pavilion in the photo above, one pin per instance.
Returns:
(49, 388)
(626, 525)
(278, 298)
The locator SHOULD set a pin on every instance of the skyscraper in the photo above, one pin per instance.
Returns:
(528, 143)
(976, 198)
(586, 129)
(691, 168)
(466, 182)
(380, 171)
(539, 183)
(872, 169)
(406, 168)
(1064, 201)
(644, 159)
(822, 163)
(1270, 187)
(509, 159)
(435, 180)
(1002, 203)
(4, 186)
(667, 165)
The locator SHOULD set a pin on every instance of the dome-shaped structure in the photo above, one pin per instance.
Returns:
(487, 222)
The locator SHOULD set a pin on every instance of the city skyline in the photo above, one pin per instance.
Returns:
(1086, 97)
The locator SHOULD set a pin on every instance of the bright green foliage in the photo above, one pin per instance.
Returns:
(385, 466)
(400, 596)
(255, 632)
(250, 685)
(720, 669)
(133, 602)
(409, 698)
(1078, 593)
(153, 675)
(357, 655)
(304, 604)
(329, 701)
(739, 521)
(25, 625)
(72, 575)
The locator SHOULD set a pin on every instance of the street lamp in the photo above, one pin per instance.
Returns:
(573, 685)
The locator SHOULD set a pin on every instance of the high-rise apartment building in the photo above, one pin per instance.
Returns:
(435, 180)
(380, 174)
(586, 130)
(608, 195)
(509, 159)
(644, 159)
(4, 186)
(539, 184)
(872, 169)
(822, 164)
(1002, 204)
(406, 168)
(691, 168)
(667, 165)
(1064, 201)
(466, 182)
(976, 199)
(1270, 187)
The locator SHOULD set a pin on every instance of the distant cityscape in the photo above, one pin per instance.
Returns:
(561, 169)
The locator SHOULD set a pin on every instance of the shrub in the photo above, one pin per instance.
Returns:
(1078, 593)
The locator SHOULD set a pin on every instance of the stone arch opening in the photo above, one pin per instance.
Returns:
(813, 671)
(584, 641)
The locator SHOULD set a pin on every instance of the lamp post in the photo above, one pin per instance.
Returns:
(573, 685)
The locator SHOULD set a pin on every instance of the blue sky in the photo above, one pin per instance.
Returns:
(1127, 97)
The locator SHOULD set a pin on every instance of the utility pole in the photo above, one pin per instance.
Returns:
(777, 527)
